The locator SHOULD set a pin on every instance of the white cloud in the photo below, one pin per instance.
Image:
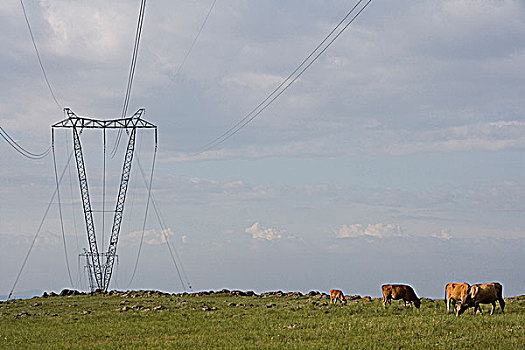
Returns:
(233, 184)
(502, 124)
(108, 27)
(378, 230)
(202, 182)
(259, 232)
(151, 237)
(444, 234)
(488, 136)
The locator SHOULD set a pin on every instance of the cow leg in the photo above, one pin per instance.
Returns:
(453, 302)
(384, 301)
(502, 304)
(493, 308)
(389, 301)
(479, 308)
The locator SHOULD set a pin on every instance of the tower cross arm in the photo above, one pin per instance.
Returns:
(74, 121)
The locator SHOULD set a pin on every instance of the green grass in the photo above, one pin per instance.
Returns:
(224, 321)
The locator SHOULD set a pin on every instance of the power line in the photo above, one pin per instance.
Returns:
(20, 149)
(279, 90)
(104, 188)
(73, 215)
(145, 217)
(134, 57)
(163, 229)
(171, 250)
(38, 230)
(131, 75)
(60, 208)
(38, 56)
(115, 145)
(284, 81)
(194, 41)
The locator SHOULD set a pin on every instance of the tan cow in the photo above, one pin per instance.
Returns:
(336, 294)
(483, 293)
(399, 291)
(454, 292)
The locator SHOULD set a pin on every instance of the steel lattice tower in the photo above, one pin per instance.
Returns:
(100, 272)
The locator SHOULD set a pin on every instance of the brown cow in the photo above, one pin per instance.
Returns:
(454, 292)
(399, 291)
(337, 294)
(483, 293)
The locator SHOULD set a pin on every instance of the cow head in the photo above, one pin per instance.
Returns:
(467, 302)
(463, 307)
(417, 303)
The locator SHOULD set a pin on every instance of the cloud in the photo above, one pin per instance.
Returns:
(259, 232)
(371, 230)
(151, 237)
(313, 147)
(374, 137)
(233, 184)
(107, 28)
(444, 234)
(491, 136)
(253, 81)
(202, 182)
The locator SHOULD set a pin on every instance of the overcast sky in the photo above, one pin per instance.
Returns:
(397, 157)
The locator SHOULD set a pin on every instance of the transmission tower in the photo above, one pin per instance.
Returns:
(100, 272)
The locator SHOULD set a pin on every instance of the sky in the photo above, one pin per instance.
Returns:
(396, 157)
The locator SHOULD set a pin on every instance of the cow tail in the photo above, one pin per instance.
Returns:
(446, 295)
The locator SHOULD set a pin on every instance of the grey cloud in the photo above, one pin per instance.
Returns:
(371, 74)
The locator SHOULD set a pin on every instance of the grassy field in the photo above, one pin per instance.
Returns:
(224, 320)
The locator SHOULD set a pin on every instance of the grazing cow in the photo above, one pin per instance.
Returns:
(399, 291)
(483, 293)
(336, 294)
(454, 292)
